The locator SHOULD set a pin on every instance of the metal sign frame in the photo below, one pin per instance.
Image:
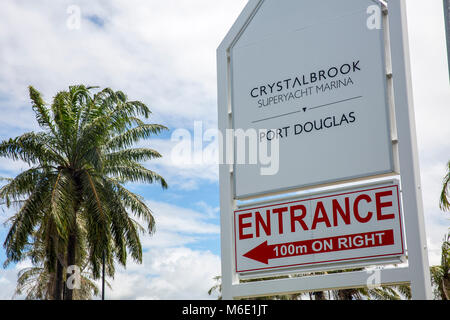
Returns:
(404, 141)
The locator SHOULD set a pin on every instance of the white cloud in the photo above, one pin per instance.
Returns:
(10, 168)
(211, 212)
(158, 52)
(170, 270)
(171, 218)
(8, 279)
(184, 174)
(174, 273)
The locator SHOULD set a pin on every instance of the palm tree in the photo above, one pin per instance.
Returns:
(33, 282)
(444, 202)
(440, 275)
(397, 292)
(216, 287)
(38, 283)
(74, 191)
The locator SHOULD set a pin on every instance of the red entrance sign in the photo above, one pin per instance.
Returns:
(355, 225)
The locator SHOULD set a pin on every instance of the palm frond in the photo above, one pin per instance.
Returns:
(32, 148)
(43, 115)
(24, 222)
(124, 156)
(133, 136)
(22, 185)
(134, 172)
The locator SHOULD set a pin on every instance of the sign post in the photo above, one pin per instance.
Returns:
(330, 84)
(447, 29)
(409, 160)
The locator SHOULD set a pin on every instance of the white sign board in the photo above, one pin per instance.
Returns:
(319, 87)
(349, 226)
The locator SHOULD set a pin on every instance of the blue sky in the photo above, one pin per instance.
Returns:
(163, 53)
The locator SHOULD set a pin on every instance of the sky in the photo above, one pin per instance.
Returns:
(164, 54)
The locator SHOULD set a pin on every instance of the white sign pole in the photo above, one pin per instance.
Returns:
(225, 116)
(226, 183)
(409, 163)
(447, 28)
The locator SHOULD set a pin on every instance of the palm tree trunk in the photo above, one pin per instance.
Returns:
(71, 260)
(319, 295)
(72, 241)
(59, 283)
(103, 276)
(50, 286)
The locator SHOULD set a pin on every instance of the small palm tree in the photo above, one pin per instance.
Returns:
(216, 287)
(38, 283)
(74, 191)
(444, 202)
(440, 275)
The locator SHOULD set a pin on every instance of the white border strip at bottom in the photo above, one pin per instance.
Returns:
(394, 276)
